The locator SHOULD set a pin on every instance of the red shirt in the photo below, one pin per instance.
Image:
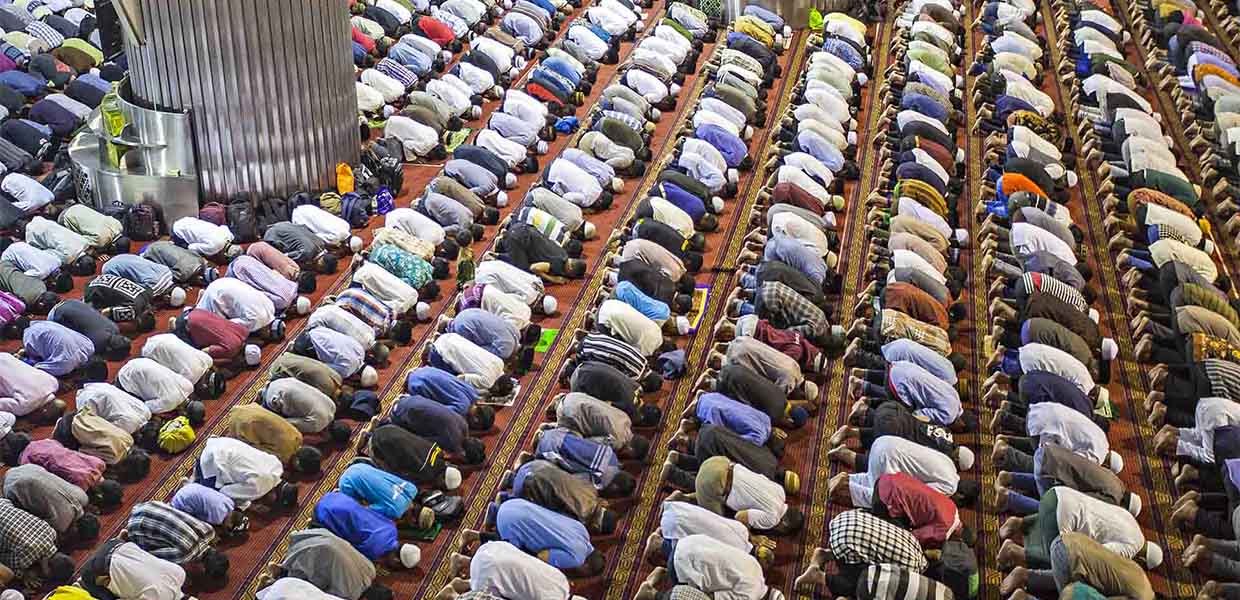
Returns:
(365, 41)
(438, 31)
(542, 93)
(82, 470)
(790, 343)
(931, 515)
(790, 193)
(213, 334)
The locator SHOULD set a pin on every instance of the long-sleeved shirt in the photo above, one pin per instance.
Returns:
(32, 261)
(212, 333)
(746, 421)
(594, 419)
(114, 405)
(724, 572)
(149, 273)
(23, 388)
(202, 237)
(171, 351)
(301, 404)
(41, 493)
(1108, 524)
(893, 454)
(168, 532)
(508, 572)
(339, 351)
(536, 529)
(238, 302)
(765, 500)
(1061, 425)
(487, 330)
(55, 238)
(932, 516)
(928, 395)
(476, 365)
(239, 470)
(281, 291)
(162, 389)
(56, 349)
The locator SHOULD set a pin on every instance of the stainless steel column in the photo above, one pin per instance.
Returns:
(269, 85)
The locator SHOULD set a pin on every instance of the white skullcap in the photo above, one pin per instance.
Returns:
(775, 595)
(964, 458)
(451, 478)
(640, 25)
(959, 81)
(176, 297)
(747, 132)
(837, 331)
(445, 55)
(1208, 247)
(862, 79)
(811, 389)
(540, 147)
(501, 199)
(11, 595)
(1109, 349)
(388, 110)
(514, 72)
(716, 204)
(370, 377)
(410, 555)
(733, 176)
(588, 230)
(355, 243)
(962, 236)
(1115, 462)
(852, 138)
(518, 62)
(617, 185)
(655, 114)
(1134, 504)
(674, 89)
(422, 310)
(475, 112)
(1072, 178)
(1093, 315)
(1153, 555)
(682, 325)
(510, 180)
(779, 40)
(549, 305)
(302, 306)
(959, 155)
(787, 31)
(746, 325)
(252, 355)
(497, 90)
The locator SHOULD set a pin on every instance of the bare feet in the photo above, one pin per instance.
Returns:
(841, 434)
(469, 538)
(1010, 555)
(1014, 581)
(813, 575)
(1158, 415)
(1010, 528)
(650, 587)
(459, 563)
(653, 544)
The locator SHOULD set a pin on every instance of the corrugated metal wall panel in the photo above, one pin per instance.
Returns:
(268, 83)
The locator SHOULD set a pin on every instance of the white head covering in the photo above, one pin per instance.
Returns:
(549, 305)
(1134, 504)
(355, 244)
(964, 458)
(176, 297)
(410, 555)
(1115, 462)
(252, 355)
(1153, 555)
(682, 325)
(11, 595)
(423, 311)
(746, 325)
(501, 199)
(451, 478)
(1109, 349)
(510, 180)
(370, 377)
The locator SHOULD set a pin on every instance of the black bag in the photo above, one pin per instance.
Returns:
(17, 160)
(958, 569)
(355, 208)
(384, 159)
(271, 211)
(242, 221)
(141, 223)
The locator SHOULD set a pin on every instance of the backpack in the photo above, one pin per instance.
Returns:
(384, 202)
(301, 199)
(958, 569)
(355, 209)
(214, 213)
(141, 222)
(243, 221)
(271, 211)
(345, 183)
(384, 159)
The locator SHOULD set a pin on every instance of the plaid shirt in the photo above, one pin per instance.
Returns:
(45, 32)
(611, 351)
(857, 537)
(786, 309)
(24, 538)
(894, 325)
(397, 71)
(169, 533)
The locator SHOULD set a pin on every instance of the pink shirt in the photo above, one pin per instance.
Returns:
(274, 259)
(79, 469)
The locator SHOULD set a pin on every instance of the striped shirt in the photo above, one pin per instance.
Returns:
(892, 582)
(169, 533)
(611, 351)
(397, 71)
(367, 307)
(1041, 282)
(1224, 378)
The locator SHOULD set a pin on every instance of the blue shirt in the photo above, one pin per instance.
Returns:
(907, 350)
(156, 277)
(1043, 386)
(818, 147)
(655, 310)
(796, 255)
(565, 69)
(579, 456)
(522, 27)
(845, 51)
(384, 492)
(925, 105)
(431, 420)
(204, 503)
(442, 387)
(370, 532)
(56, 349)
(534, 529)
(746, 421)
(683, 199)
(772, 19)
(406, 54)
(730, 146)
(488, 330)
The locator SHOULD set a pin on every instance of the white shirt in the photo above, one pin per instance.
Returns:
(724, 110)
(511, 279)
(502, 55)
(390, 88)
(763, 498)
(1167, 249)
(416, 224)
(520, 104)
(32, 261)
(893, 454)
(162, 389)
(581, 35)
(1063, 425)
(649, 86)
(136, 574)
(241, 471)
(719, 570)
(342, 321)
(567, 212)
(292, 588)
(912, 208)
(1184, 225)
(339, 351)
(450, 94)
(682, 519)
(796, 175)
(397, 10)
(417, 139)
(328, 227)
(238, 302)
(388, 288)
(33, 389)
(114, 405)
(792, 225)
(473, 363)
(1041, 357)
(202, 237)
(907, 259)
(812, 166)
(171, 351)
(56, 238)
(510, 307)
(671, 215)
(512, 152)
(368, 98)
(1108, 524)
(28, 194)
(1027, 239)
(505, 571)
(631, 325)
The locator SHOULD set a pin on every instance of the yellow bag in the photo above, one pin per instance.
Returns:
(344, 179)
(176, 435)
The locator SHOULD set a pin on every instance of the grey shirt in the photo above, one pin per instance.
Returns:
(42, 494)
(594, 419)
(329, 562)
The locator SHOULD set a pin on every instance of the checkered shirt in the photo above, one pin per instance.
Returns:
(24, 538)
(169, 533)
(857, 537)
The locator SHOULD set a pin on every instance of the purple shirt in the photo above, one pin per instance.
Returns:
(281, 291)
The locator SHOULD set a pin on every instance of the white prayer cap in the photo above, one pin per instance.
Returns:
(962, 237)
(1115, 462)
(302, 306)
(355, 244)
(733, 176)
(674, 89)
(852, 138)
(475, 112)
(370, 377)
(1072, 178)
(451, 478)
(862, 78)
(177, 296)
(746, 325)
(613, 277)
(655, 114)
(588, 230)
(964, 458)
(1093, 315)
(811, 389)
(541, 147)
(1109, 349)
(1134, 504)
(549, 305)
(501, 199)
(1208, 247)
(11, 595)
(510, 180)
(716, 203)
(779, 41)
(682, 325)
(252, 355)
(747, 132)
(617, 185)
(445, 55)
(410, 555)
(423, 311)
(1153, 555)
